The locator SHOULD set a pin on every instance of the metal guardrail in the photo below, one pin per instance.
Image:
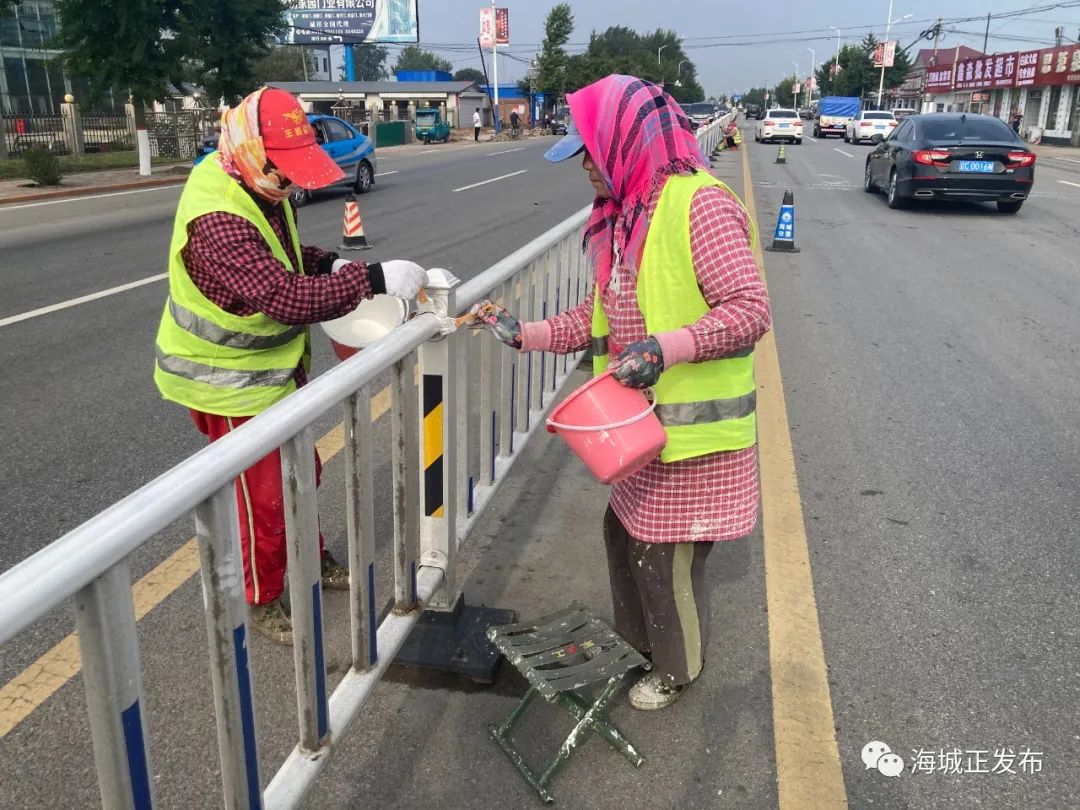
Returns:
(90, 564)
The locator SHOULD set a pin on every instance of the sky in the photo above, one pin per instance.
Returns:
(729, 65)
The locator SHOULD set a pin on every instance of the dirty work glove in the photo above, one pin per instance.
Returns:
(403, 279)
(498, 319)
(639, 365)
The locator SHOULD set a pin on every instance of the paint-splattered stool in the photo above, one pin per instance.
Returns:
(558, 655)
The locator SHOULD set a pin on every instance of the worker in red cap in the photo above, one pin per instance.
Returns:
(233, 338)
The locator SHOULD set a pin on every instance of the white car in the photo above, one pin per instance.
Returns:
(871, 125)
(780, 125)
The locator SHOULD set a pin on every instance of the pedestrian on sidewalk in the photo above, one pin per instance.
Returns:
(233, 339)
(678, 304)
(476, 124)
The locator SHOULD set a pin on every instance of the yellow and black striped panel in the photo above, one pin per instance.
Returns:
(433, 445)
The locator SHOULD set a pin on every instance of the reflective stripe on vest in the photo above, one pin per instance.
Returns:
(223, 377)
(212, 333)
(713, 410)
(705, 407)
(209, 359)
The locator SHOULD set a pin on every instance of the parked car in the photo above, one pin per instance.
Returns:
(903, 112)
(780, 125)
(806, 113)
(429, 125)
(348, 147)
(869, 125)
(557, 122)
(752, 111)
(952, 156)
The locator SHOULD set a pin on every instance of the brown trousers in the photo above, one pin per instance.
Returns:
(660, 598)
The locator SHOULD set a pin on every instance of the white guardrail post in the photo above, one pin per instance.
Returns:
(305, 588)
(441, 422)
(217, 527)
(105, 620)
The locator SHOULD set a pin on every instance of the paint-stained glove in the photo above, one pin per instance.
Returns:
(498, 319)
(640, 364)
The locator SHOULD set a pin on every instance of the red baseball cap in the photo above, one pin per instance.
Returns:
(289, 140)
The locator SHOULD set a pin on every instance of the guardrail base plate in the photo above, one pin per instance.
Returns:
(456, 641)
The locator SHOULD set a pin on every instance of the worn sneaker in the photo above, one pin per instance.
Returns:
(653, 692)
(335, 576)
(272, 621)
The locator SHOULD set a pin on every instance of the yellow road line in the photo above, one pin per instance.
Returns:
(24, 693)
(808, 770)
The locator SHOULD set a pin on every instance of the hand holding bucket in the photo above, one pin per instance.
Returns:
(610, 427)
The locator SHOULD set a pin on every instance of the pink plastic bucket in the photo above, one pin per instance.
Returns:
(610, 427)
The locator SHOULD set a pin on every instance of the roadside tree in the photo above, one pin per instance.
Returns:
(413, 57)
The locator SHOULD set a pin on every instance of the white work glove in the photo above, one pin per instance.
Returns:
(403, 279)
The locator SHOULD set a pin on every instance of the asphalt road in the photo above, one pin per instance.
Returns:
(927, 359)
(929, 363)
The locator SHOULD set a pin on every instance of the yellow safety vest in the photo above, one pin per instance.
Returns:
(705, 407)
(207, 358)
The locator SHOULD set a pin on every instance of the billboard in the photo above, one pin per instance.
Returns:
(494, 27)
(1049, 66)
(502, 26)
(885, 54)
(939, 79)
(322, 22)
(986, 72)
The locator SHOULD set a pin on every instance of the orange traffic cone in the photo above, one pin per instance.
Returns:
(353, 230)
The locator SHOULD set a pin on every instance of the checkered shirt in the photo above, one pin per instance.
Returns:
(712, 497)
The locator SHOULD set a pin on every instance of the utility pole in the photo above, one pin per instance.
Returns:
(495, 62)
(986, 36)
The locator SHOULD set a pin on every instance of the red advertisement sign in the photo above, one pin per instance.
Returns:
(1057, 66)
(502, 26)
(939, 79)
(998, 70)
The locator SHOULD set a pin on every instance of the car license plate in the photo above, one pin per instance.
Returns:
(977, 166)
(879, 126)
(784, 126)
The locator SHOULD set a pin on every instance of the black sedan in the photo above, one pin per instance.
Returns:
(953, 156)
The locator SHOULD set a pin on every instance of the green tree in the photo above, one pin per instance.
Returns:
(369, 62)
(223, 39)
(413, 57)
(285, 63)
(551, 63)
(781, 94)
(137, 46)
(622, 50)
(470, 74)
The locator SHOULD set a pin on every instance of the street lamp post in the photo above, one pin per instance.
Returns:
(888, 27)
(678, 73)
(794, 95)
(809, 84)
(659, 64)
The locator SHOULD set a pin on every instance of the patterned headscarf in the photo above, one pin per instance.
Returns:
(638, 136)
(243, 154)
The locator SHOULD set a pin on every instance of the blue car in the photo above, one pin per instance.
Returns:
(348, 148)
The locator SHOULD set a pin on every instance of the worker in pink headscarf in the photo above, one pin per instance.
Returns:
(677, 306)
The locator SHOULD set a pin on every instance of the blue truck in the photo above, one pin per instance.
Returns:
(833, 114)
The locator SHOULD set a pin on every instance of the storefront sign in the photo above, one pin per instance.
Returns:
(939, 79)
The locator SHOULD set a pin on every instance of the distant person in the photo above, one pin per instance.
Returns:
(677, 306)
(476, 124)
(233, 339)
(515, 121)
(1018, 120)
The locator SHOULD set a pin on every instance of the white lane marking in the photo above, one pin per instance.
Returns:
(1070, 160)
(810, 139)
(842, 152)
(1069, 183)
(427, 151)
(34, 313)
(506, 151)
(492, 180)
(91, 197)
(383, 174)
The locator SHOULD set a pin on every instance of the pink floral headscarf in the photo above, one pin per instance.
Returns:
(638, 136)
